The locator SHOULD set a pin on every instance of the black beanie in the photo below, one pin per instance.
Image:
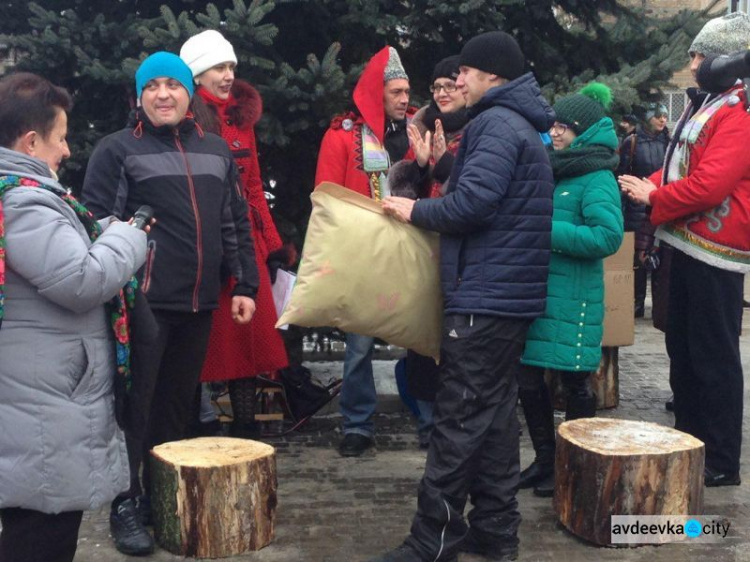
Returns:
(494, 52)
(446, 68)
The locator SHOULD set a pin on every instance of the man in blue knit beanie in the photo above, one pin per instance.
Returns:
(189, 178)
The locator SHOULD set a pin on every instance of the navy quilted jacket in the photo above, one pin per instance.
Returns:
(496, 217)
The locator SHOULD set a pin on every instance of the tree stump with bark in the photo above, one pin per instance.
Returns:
(213, 497)
(605, 382)
(606, 467)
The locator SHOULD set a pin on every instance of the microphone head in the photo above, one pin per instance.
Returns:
(144, 212)
(142, 217)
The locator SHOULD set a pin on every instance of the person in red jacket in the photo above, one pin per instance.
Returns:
(357, 152)
(701, 202)
(239, 353)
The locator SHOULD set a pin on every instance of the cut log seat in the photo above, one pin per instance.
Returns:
(606, 467)
(213, 497)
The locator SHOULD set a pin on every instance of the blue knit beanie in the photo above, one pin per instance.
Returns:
(163, 65)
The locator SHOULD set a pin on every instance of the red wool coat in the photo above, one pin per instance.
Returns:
(244, 351)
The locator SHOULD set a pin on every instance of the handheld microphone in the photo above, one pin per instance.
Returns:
(142, 217)
(718, 73)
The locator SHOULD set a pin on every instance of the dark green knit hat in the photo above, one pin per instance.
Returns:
(580, 111)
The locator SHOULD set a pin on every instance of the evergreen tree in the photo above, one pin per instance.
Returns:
(305, 55)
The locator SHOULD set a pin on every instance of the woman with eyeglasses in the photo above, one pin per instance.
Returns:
(587, 226)
(434, 135)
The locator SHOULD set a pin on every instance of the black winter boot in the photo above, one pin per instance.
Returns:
(537, 409)
(243, 397)
(581, 401)
(580, 407)
(545, 488)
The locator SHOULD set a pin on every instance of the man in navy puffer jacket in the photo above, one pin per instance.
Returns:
(495, 223)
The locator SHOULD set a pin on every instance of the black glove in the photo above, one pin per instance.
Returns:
(275, 260)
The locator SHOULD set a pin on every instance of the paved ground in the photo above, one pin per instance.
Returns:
(347, 510)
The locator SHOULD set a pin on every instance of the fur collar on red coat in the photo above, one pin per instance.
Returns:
(248, 105)
(244, 106)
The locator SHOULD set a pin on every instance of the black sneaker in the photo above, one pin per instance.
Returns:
(354, 444)
(490, 549)
(129, 534)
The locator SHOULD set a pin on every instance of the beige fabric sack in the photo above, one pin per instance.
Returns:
(367, 273)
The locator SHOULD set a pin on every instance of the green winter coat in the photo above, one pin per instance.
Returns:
(587, 226)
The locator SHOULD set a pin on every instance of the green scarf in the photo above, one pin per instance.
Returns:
(574, 162)
(119, 304)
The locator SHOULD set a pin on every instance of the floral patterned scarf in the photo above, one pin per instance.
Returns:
(117, 307)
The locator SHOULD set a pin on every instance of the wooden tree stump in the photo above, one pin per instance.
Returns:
(606, 467)
(605, 382)
(213, 497)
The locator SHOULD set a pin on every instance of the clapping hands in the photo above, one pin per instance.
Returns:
(428, 146)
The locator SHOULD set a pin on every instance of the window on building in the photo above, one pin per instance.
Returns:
(676, 101)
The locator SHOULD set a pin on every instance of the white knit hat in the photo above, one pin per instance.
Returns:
(206, 50)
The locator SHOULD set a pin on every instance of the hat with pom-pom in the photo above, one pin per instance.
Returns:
(580, 111)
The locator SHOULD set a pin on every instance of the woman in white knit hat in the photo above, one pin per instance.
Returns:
(239, 353)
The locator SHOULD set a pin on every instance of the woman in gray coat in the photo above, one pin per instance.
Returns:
(63, 337)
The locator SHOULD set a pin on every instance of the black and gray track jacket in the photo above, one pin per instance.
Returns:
(191, 181)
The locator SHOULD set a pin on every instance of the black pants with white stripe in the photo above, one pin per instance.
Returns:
(474, 448)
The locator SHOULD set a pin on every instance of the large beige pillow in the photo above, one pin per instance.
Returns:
(367, 273)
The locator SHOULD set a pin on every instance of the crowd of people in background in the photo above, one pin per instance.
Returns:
(109, 326)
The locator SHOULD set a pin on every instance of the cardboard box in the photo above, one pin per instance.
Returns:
(619, 322)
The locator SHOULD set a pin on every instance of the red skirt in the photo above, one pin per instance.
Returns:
(245, 351)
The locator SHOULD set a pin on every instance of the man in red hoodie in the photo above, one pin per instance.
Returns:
(357, 152)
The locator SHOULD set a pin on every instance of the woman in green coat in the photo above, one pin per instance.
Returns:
(587, 226)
